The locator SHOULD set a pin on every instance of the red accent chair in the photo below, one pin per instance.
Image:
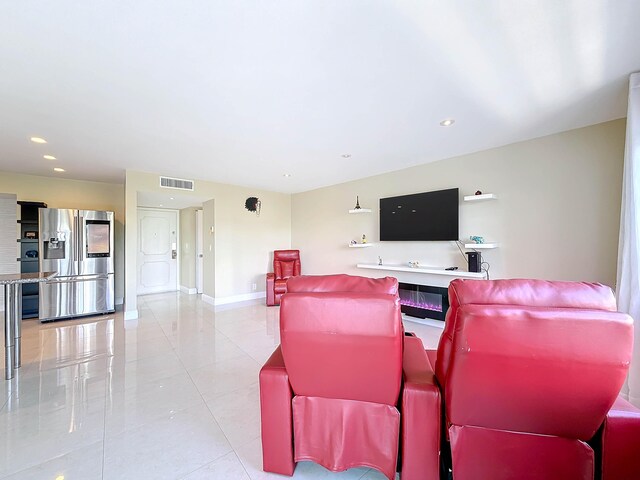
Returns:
(530, 370)
(286, 264)
(346, 387)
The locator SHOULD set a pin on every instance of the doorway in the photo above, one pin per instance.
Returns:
(157, 259)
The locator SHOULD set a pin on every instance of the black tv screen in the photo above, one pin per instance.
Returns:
(431, 216)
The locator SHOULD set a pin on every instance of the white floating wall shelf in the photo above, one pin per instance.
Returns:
(479, 198)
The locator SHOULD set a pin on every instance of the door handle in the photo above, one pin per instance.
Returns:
(81, 246)
(174, 254)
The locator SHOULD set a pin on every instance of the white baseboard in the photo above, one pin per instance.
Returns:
(239, 298)
(131, 314)
(233, 298)
(190, 291)
(207, 299)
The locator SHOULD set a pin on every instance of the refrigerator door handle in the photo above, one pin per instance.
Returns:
(75, 238)
(80, 278)
(80, 238)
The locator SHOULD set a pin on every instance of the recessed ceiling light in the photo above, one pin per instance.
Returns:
(346, 155)
(447, 123)
(161, 206)
(58, 169)
(287, 175)
(38, 140)
(171, 198)
(49, 157)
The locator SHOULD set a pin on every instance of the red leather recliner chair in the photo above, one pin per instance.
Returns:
(530, 370)
(346, 386)
(286, 264)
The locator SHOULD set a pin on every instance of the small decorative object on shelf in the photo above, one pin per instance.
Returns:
(353, 242)
(414, 263)
(253, 204)
(31, 253)
(478, 192)
(364, 238)
(379, 260)
(31, 235)
(357, 207)
(476, 239)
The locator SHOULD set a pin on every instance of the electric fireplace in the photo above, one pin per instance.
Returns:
(423, 301)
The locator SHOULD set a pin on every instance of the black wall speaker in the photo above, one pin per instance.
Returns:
(475, 262)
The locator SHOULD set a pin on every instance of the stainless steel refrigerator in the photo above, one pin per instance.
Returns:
(78, 245)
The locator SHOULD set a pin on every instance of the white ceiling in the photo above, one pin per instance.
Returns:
(242, 92)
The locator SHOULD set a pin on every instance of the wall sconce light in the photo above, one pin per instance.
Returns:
(253, 204)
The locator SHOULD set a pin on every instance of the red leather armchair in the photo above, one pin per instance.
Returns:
(286, 264)
(346, 387)
(530, 370)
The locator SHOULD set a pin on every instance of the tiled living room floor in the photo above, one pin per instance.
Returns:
(171, 395)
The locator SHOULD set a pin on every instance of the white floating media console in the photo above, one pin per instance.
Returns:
(425, 270)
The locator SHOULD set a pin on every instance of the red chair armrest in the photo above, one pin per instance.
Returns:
(620, 444)
(421, 413)
(271, 295)
(276, 415)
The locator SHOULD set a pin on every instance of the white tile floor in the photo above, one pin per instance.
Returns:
(172, 395)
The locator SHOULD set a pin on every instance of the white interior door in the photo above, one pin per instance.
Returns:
(199, 251)
(157, 251)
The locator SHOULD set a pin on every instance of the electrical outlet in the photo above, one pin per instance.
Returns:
(254, 286)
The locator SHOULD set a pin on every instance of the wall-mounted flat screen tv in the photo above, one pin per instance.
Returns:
(429, 216)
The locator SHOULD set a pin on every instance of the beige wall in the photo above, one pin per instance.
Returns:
(209, 248)
(243, 241)
(557, 216)
(188, 247)
(63, 193)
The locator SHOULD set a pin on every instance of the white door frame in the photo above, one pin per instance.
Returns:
(199, 250)
(177, 212)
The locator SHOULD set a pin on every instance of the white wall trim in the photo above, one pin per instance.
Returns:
(131, 314)
(119, 300)
(190, 291)
(233, 298)
(208, 299)
(238, 298)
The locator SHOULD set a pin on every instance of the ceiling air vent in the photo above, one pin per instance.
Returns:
(178, 183)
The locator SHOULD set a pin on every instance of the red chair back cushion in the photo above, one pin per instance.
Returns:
(342, 344)
(343, 283)
(518, 292)
(551, 368)
(286, 263)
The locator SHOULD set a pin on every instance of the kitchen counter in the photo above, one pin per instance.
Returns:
(11, 278)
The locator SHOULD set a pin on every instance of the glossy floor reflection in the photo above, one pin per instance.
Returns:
(171, 395)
